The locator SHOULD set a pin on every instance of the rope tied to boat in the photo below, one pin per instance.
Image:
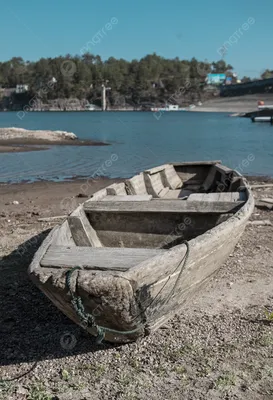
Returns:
(88, 320)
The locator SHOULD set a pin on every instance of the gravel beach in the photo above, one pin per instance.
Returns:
(220, 347)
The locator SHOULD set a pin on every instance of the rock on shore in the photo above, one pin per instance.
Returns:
(20, 133)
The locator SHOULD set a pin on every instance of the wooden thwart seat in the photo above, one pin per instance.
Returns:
(177, 194)
(160, 180)
(163, 206)
(218, 197)
(117, 259)
(81, 231)
(128, 197)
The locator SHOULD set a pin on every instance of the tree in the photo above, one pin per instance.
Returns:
(152, 79)
(220, 67)
(245, 79)
(267, 74)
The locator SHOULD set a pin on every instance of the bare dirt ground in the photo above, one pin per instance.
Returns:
(220, 347)
(236, 104)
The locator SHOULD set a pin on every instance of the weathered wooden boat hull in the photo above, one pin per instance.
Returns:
(129, 303)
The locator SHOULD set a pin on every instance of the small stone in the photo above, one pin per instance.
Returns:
(15, 202)
(21, 390)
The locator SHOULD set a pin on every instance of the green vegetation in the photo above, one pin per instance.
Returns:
(225, 381)
(268, 315)
(37, 392)
(152, 79)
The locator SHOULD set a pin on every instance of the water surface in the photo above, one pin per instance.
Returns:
(138, 141)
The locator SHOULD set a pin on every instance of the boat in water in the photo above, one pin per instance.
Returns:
(168, 107)
(263, 119)
(132, 255)
(92, 107)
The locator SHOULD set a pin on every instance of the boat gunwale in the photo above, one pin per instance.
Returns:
(237, 218)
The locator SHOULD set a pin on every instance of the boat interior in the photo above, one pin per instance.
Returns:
(156, 210)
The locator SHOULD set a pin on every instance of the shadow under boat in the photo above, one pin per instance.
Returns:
(31, 327)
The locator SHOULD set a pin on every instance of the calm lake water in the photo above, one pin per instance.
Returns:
(138, 141)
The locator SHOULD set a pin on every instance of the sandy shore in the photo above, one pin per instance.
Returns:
(220, 347)
(237, 104)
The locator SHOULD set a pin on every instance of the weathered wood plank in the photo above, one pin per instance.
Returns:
(64, 236)
(189, 163)
(49, 219)
(129, 197)
(81, 229)
(209, 179)
(265, 185)
(214, 197)
(163, 192)
(170, 178)
(153, 184)
(177, 194)
(136, 185)
(42, 250)
(267, 200)
(98, 195)
(118, 259)
(166, 206)
(265, 222)
(116, 189)
(154, 170)
(223, 169)
(237, 184)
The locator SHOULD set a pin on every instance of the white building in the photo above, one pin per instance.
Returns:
(21, 88)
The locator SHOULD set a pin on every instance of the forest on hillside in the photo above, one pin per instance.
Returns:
(152, 79)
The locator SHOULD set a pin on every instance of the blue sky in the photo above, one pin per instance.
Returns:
(175, 28)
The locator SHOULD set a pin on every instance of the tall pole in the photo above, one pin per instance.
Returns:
(103, 97)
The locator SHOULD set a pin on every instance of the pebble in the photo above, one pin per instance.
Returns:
(80, 195)
(15, 202)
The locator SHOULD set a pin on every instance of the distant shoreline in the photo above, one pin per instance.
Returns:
(79, 180)
(26, 145)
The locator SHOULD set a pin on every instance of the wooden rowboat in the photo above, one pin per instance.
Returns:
(129, 257)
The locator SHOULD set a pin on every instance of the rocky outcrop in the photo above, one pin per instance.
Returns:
(25, 134)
